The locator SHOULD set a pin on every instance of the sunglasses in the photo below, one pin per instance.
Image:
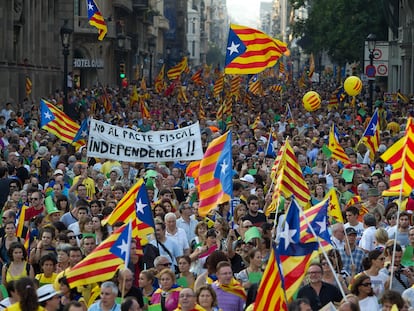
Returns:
(34, 199)
(165, 264)
(366, 284)
(71, 237)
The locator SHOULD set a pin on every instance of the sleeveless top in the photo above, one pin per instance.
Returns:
(22, 274)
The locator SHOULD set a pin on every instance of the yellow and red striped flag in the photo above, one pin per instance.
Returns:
(218, 86)
(28, 86)
(182, 96)
(338, 152)
(176, 71)
(235, 86)
(255, 86)
(159, 83)
(133, 98)
(311, 66)
(57, 122)
(144, 108)
(214, 190)
(403, 97)
(250, 51)
(256, 122)
(290, 179)
(98, 266)
(401, 156)
(371, 136)
(133, 208)
(196, 78)
(201, 112)
(96, 19)
(143, 85)
(270, 294)
(281, 68)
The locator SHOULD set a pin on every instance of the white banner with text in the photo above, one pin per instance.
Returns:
(123, 144)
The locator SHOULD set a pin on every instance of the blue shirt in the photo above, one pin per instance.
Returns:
(97, 307)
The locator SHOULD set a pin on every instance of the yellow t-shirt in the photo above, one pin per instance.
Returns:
(89, 184)
(16, 307)
(45, 280)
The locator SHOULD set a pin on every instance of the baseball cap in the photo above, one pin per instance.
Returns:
(248, 178)
(350, 231)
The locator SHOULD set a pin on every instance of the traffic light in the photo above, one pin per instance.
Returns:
(122, 70)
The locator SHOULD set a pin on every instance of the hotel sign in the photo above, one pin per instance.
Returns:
(88, 63)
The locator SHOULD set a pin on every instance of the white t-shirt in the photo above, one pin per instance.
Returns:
(367, 241)
(369, 303)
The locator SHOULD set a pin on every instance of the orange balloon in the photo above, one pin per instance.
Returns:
(353, 86)
(311, 101)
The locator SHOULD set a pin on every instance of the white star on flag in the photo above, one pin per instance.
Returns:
(287, 235)
(233, 48)
(84, 134)
(140, 206)
(123, 247)
(322, 225)
(48, 115)
(90, 6)
(224, 167)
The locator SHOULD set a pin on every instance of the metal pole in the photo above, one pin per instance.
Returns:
(150, 71)
(371, 85)
(65, 79)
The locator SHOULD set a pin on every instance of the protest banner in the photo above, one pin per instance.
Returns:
(123, 144)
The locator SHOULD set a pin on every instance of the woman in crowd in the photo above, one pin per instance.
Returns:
(70, 294)
(362, 288)
(45, 246)
(18, 267)
(9, 238)
(239, 212)
(184, 263)
(101, 232)
(207, 298)
(62, 257)
(201, 253)
(62, 204)
(27, 296)
(329, 276)
(253, 272)
(146, 285)
(200, 232)
(319, 194)
(168, 293)
(373, 263)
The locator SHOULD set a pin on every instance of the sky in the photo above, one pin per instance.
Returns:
(244, 12)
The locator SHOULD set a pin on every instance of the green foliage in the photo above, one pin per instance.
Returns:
(340, 27)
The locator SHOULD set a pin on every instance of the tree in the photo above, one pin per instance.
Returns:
(339, 27)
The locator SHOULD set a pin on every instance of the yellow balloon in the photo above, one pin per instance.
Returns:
(311, 101)
(353, 86)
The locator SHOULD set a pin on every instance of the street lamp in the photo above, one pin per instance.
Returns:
(65, 33)
(121, 46)
(168, 51)
(371, 40)
(151, 46)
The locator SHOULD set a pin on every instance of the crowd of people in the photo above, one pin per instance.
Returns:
(192, 262)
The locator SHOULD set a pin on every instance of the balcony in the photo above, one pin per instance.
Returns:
(81, 26)
(123, 4)
(140, 5)
(161, 22)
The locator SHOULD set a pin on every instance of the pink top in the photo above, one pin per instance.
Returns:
(171, 301)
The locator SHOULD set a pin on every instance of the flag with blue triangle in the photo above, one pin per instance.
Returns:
(83, 131)
(122, 246)
(320, 223)
(224, 170)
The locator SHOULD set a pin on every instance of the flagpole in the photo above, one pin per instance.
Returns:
(398, 217)
(324, 252)
(268, 141)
